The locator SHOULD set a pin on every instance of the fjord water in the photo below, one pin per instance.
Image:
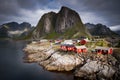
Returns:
(12, 66)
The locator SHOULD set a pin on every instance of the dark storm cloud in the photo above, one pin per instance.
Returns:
(12, 8)
(32, 4)
(103, 5)
(107, 11)
(27, 4)
(8, 7)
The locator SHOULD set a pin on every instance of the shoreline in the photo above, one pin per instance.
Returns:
(51, 58)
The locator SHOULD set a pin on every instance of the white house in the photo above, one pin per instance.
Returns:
(69, 42)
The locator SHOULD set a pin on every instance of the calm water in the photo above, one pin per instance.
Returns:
(12, 66)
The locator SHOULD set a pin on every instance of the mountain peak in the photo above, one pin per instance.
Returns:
(13, 29)
(66, 18)
(66, 21)
(11, 23)
(65, 8)
(13, 26)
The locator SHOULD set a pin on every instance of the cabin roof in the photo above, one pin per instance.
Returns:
(66, 45)
(104, 48)
(81, 46)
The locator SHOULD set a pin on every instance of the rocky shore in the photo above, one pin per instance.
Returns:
(84, 66)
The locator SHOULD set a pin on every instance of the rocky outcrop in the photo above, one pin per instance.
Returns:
(85, 66)
(62, 24)
(94, 70)
(62, 62)
(52, 59)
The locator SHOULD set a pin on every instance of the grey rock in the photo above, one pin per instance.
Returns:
(59, 23)
(97, 68)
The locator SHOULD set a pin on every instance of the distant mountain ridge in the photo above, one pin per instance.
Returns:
(13, 29)
(16, 26)
(64, 24)
(118, 32)
(115, 28)
(100, 30)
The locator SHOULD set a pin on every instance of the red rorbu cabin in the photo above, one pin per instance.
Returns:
(103, 50)
(81, 49)
(63, 47)
(71, 48)
(68, 47)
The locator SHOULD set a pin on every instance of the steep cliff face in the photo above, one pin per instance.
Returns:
(66, 24)
(66, 18)
(45, 25)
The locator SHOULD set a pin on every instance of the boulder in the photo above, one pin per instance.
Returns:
(59, 62)
(95, 68)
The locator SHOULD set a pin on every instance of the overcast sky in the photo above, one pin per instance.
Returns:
(106, 12)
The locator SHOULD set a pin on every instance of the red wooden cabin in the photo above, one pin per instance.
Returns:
(81, 49)
(103, 50)
(63, 47)
(68, 47)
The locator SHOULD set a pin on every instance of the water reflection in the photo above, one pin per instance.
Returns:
(12, 66)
